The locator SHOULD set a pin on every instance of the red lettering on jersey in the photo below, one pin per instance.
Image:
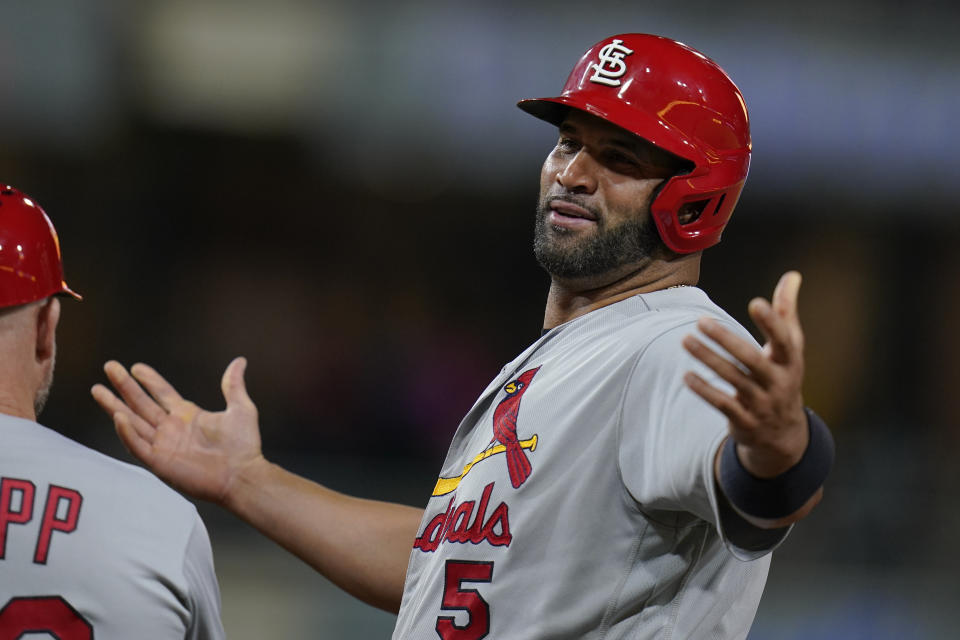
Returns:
(7, 514)
(499, 518)
(451, 525)
(458, 527)
(52, 523)
(476, 529)
(432, 534)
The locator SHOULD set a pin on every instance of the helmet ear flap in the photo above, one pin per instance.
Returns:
(691, 211)
(692, 219)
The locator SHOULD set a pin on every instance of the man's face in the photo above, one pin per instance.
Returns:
(593, 218)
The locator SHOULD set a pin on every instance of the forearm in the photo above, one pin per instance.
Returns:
(360, 545)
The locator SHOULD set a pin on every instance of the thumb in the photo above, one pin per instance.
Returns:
(232, 384)
(785, 294)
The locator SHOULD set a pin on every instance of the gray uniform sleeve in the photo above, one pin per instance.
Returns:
(202, 586)
(669, 437)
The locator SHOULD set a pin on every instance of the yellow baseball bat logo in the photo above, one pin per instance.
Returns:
(447, 485)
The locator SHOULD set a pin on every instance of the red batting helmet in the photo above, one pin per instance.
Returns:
(681, 101)
(30, 263)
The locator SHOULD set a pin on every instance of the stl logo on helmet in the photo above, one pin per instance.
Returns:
(611, 66)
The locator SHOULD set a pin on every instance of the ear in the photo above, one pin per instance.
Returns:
(47, 321)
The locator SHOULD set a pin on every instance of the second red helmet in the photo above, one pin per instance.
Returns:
(31, 267)
(678, 99)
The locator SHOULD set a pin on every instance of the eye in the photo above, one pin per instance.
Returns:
(568, 145)
(620, 161)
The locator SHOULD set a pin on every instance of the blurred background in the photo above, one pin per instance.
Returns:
(343, 192)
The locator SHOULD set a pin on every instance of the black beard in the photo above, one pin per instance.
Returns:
(606, 250)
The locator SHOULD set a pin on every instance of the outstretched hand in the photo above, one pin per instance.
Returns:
(765, 412)
(199, 452)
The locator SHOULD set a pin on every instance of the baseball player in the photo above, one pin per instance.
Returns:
(628, 474)
(90, 547)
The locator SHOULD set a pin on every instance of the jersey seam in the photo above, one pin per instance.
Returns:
(685, 583)
(635, 504)
(614, 601)
(188, 598)
(633, 501)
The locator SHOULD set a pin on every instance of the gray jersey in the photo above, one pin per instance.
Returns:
(577, 499)
(91, 547)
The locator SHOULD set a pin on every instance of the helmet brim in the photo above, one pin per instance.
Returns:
(554, 110)
(67, 291)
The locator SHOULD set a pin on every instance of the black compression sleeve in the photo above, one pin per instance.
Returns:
(781, 495)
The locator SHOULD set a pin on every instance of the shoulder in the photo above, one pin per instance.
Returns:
(682, 303)
(61, 457)
(673, 313)
(660, 319)
(655, 326)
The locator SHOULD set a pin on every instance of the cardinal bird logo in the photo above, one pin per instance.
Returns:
(505, 428)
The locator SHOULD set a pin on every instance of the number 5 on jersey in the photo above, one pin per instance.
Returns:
(456, 598)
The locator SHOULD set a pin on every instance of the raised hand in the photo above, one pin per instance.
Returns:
(201, 453)
(765, 412)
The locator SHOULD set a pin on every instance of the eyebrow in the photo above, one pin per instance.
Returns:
(628, 142)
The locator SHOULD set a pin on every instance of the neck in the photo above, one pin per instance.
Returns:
(17, 408)
(572, 298)
(17, 386)
(19, 375)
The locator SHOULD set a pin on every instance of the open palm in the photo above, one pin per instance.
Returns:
(198, 452)
(765, 410)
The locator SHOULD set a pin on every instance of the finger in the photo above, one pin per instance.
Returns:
(724, 403)
(105, 398)
(131, 438)
(161, 390)
(720, 365)
(233, 385)
(785, 294)
(133, 395)
(778, 320)
(114, 407)
(780, 340)
(745, 352)
(791, 307)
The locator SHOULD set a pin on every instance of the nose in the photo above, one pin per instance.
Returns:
(578, 174)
